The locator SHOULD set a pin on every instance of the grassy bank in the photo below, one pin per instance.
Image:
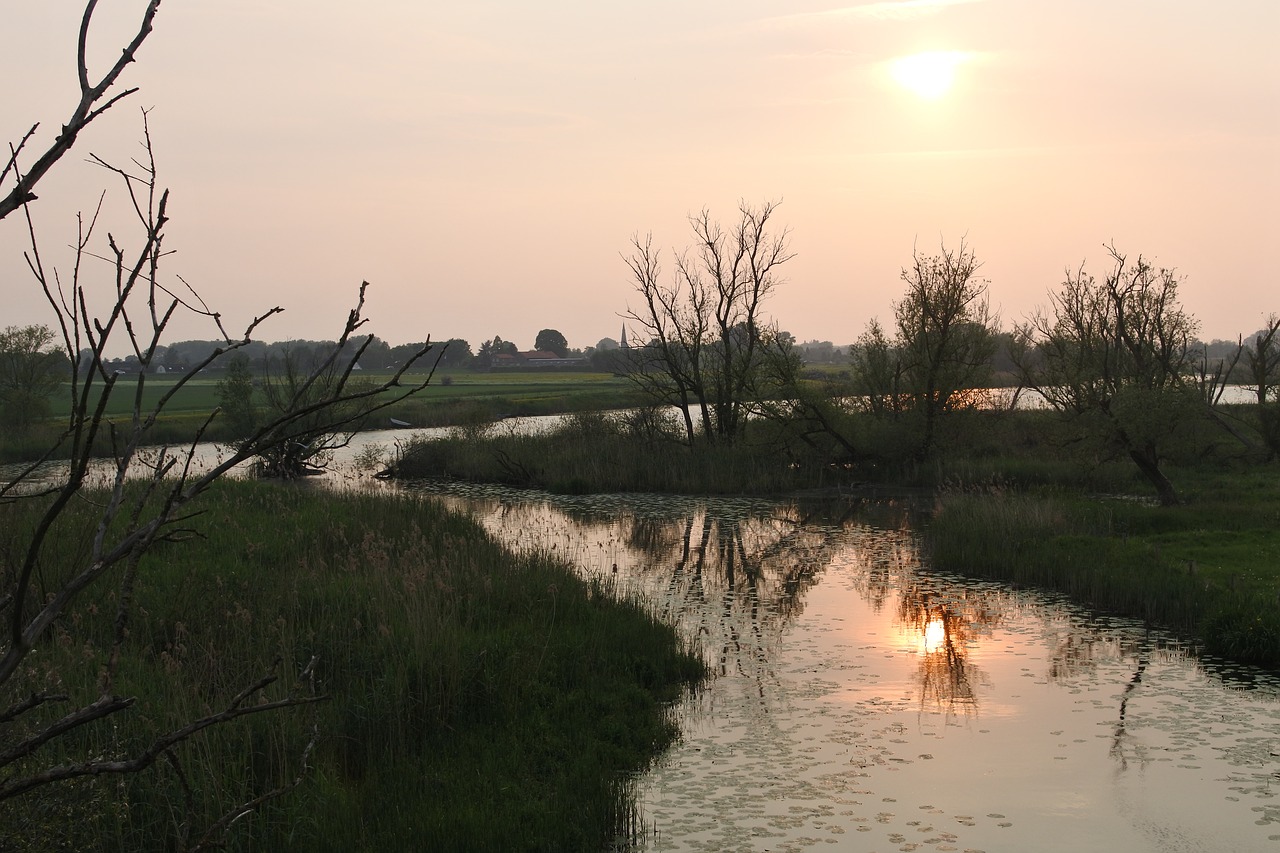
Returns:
(643, 451)
(200, 394)
(478, 701)
(1209, 567)
(596, 453)
(482, 398)
(1017, 503)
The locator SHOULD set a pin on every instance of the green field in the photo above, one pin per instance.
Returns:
(452, 398)
(201, 394)
(464, 385)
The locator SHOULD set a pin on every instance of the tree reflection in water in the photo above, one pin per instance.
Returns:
(731, 573)
(810, 712)
(1078, 655)
(942, 616)
(945, 628)
(734, 579)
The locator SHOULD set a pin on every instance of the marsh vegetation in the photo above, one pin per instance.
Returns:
(468, 697)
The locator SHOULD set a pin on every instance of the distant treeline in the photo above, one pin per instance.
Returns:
(378, 355)
(825, 352)
(456, 353)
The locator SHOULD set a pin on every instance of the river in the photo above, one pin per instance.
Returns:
(863, 702)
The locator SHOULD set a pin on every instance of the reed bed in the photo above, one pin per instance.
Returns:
(596, 453)
(477, 700)
(1209, 567)
(643, 451)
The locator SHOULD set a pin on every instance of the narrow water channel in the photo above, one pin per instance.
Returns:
(863, 702)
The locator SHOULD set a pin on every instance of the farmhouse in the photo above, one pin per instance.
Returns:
(534, 359)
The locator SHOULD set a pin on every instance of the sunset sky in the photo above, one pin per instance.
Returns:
(483, 164)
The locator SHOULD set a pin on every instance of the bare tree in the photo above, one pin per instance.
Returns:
(676, 327)
(93, 103)
(1209, 378)
(1263, 361)
(84, 545)
(147, 498)
(704, 340)
(942, 346)
(304, 445)
(1116, 354)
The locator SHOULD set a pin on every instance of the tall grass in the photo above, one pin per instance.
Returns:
(477, 700)
(643, 450)
(1210, 567)
(592, 453)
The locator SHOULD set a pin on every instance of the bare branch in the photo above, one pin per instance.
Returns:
(150, 496)
(32, 702)
(84, 113)
(107, 705)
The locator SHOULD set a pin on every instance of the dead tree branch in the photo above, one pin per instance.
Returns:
(146, 499)
(90, 106)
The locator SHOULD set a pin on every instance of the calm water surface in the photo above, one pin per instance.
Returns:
(862, 702)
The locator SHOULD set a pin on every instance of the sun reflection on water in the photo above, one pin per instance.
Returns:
(935, 634)
(849, 677)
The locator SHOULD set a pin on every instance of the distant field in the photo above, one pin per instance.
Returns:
(467, 385)
(201, 395)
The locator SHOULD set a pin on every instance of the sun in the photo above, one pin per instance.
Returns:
(929, 75)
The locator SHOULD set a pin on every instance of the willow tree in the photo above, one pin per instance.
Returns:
(31, 370)
(1262, 357)
(702, 342)
(941, 346)
(1116, 355)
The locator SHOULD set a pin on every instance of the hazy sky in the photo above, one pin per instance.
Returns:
(483, 164)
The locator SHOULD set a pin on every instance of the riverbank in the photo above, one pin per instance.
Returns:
(593, 452)
(477, 700)
(1209, 567)
(1011, 505)
(863, 700)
